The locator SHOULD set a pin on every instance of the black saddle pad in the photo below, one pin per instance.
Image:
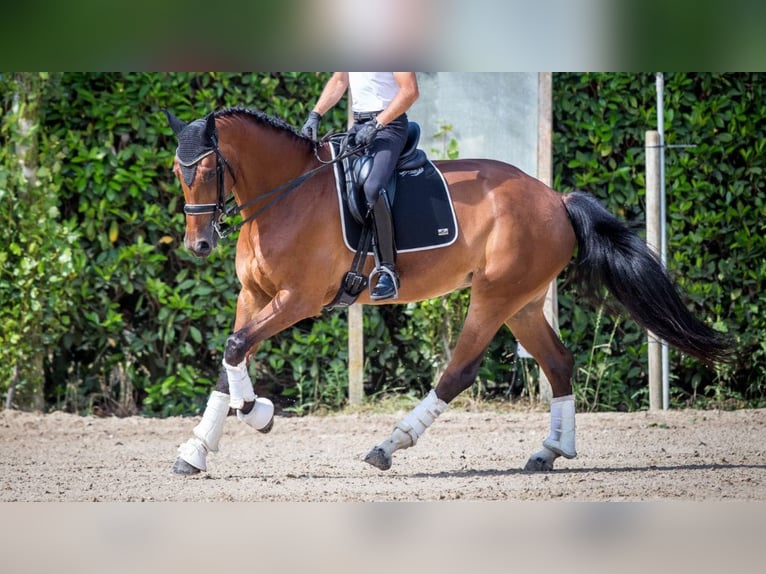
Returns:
(423, 214)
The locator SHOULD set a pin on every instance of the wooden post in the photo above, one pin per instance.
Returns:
(355, 334)
(355, 355)
(545, 174)
(653, 238)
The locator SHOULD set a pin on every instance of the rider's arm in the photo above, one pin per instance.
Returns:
(406, 96)
(332, 93)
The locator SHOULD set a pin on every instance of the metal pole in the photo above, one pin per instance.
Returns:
(660, 85)
(653, 226)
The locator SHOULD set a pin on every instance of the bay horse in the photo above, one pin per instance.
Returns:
(515, 236)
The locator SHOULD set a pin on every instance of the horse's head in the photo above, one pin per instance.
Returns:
(198, 166)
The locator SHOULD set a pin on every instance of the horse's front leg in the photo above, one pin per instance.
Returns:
(258, 412)
(192, 455)
(234, 392)
(255, 411)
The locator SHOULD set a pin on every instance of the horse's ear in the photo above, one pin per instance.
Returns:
(210, 127)
(175, 124)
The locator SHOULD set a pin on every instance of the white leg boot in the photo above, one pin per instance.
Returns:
(240, 385)
(261, 416)
(241, 391)
(207, 433)
(407, 431)
(561, 440)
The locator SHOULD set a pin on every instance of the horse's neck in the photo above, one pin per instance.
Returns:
(267, 164)
(268, 160)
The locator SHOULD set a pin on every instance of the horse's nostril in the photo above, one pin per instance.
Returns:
(203, 247)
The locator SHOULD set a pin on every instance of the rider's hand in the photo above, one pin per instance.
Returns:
(366, 133)
(311, 127)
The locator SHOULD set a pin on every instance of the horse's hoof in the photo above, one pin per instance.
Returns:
(183, 467)
(268, 426)
(538, 463)
(542, 460)
(378, 458)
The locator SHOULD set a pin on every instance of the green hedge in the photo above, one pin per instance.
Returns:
(148, 321)
(39, 255)
(105, 311)
(715, 225)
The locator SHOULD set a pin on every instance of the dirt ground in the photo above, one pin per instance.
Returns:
(478, 456)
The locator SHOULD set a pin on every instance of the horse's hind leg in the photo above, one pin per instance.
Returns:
(407, 431)
(480, 326)
(536, 335)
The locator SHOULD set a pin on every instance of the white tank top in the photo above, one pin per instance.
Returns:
(371, 91)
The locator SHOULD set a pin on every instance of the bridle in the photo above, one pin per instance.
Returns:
(218, 209)
(222, 211)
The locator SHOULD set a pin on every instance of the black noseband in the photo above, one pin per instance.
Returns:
(200, 208)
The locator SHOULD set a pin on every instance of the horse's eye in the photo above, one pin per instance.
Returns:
(208, 176)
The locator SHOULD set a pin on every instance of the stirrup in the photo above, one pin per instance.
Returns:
(382, 272)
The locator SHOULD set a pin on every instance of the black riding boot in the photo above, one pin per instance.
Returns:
(387, 286)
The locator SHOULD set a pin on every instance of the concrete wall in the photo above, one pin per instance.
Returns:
(493, 114)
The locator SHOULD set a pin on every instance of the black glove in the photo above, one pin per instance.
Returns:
(366, 133)
(311, 127)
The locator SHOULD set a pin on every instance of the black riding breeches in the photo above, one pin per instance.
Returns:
(385, 149)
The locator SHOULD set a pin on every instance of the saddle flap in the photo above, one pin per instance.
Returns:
(361, 167)
(357, 205)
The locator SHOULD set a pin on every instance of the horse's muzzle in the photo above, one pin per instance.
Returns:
(200, 247)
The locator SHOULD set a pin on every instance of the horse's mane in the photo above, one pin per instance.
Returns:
(262, 118)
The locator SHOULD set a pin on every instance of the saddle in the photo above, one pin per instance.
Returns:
(357, 169)
(421, 207)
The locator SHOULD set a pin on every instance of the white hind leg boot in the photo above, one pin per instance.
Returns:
(561, 440)
(240, 385)
(408, 430)
(207, 433)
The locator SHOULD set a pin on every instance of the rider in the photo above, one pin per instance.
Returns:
(380, 101)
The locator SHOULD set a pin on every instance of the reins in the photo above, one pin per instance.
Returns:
(278, 192)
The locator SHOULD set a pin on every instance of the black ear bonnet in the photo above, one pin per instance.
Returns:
(196, 140)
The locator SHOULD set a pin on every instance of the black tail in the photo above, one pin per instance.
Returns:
(613, 256)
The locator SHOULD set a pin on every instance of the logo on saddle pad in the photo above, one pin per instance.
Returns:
(411, 172)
